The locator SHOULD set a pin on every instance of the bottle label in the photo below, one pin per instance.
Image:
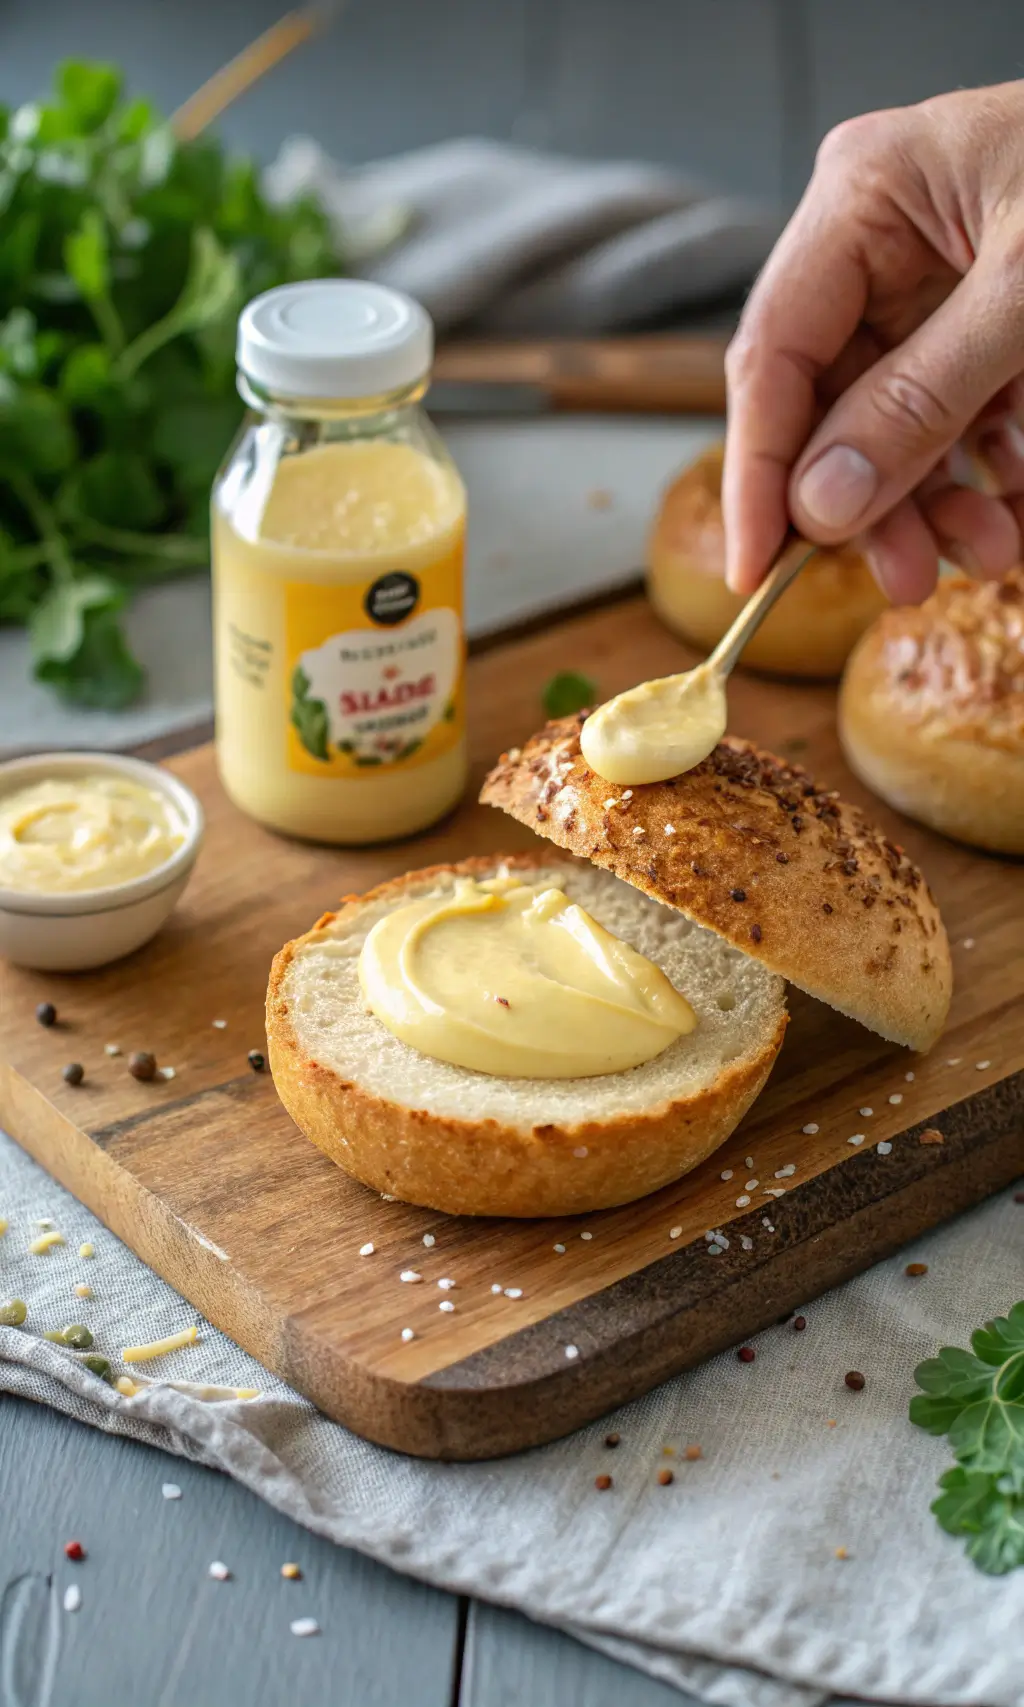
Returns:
(375, 672)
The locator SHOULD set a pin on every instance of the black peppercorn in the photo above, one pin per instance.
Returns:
(738, 894)
(73, 1073)
(142, 1065)
(46, 1013)
(256, 1061)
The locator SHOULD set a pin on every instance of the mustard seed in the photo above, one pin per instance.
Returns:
(602, 1483)
(916, 1268)
(799, 1324)
(746, 1354)
(666, 1478)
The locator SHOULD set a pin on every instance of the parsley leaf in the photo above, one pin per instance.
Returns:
(568, 692)
(976, 1397)
(124, 258)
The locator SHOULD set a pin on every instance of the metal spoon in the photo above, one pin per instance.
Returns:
(668, 726)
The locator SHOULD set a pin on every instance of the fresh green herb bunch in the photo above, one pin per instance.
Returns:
(976, 1397)
(124, 259)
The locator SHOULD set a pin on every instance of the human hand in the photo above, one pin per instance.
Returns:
(884, 337)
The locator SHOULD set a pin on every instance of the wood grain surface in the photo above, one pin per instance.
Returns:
(209, 1181)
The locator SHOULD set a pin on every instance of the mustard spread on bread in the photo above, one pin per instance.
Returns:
(519, 982)
(657, 730)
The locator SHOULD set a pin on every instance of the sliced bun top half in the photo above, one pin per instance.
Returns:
(755, 850)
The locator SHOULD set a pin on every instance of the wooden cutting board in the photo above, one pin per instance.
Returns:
(206, 1178)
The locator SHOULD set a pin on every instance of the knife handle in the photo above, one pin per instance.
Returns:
(660, 374)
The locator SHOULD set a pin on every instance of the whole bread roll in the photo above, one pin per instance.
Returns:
(931, 711)
(816, 622)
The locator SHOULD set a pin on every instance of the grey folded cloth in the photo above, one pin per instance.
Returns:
(726, 1584)
(516, 242)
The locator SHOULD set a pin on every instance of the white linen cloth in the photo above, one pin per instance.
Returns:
(516, 242)
(726, 1583)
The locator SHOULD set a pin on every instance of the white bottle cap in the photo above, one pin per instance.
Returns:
(334, 338)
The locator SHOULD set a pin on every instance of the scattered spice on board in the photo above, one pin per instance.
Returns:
(74, 1550)
(916, 1268)
(746, 1354)
(602, 1483)
(291, 1571)
(854, 1380)
(666, 1477)
(73, 1073)
(46, 1013)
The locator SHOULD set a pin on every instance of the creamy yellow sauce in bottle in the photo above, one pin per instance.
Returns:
(67, 834)
(517, 981)
(338, 543)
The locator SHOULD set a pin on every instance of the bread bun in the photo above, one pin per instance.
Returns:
(931, 711)
(472, 1144)
(815, 623)
(753, 849)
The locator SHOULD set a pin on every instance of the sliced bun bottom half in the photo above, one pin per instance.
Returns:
(470, 1143)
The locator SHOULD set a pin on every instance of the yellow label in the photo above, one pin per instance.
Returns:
(375, 669)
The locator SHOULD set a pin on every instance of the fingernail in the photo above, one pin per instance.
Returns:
(837, 489)
(961, 556)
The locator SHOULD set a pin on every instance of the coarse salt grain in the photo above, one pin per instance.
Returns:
(954, 1060)
(968, 942)
(72, 1598)
(429, 1240)
(560, 1249)
(497, 1287)
(749, 1161)
(909, 1078)
(752, 1185)
(981, 1065)
(304, 1627)
(811, 1128)
(410, 1276)
(586, 1236)
(727, 1174)
(572, 1352)
(742, 1200)
(670, 829)
(408, 1334)
(884, 1148)
(858, 1138)
(774, 1191)
(866, 1113)
(675, 1232)
(786, 1172)
(766, 1222)
(447, 1306)
(581, 1151)
(610, 802)
(367, 1250)
(219, 1024)
(171, 1491)
(446, 1284)
(746, 1242)
(721, 1241)
(218, 1571)
(513, 1292)
(714, 1250)
(897, 1096)
(627, 794)
(638, 830)
(111, 1049)
(167, 1072)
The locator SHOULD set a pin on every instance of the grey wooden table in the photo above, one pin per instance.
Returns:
(154, 1629)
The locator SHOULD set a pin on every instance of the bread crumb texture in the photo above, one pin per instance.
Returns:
(474, 1143)
(765, 857)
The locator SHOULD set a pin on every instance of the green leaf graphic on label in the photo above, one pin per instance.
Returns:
(309, 717)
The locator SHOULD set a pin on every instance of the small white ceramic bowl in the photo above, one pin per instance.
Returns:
(91, 927)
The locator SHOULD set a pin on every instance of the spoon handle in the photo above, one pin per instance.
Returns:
(787, 566)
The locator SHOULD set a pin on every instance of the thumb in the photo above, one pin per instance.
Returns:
(888, 431)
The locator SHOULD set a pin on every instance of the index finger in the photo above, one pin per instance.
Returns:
(802, 312)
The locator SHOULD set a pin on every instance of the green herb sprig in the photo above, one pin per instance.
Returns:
(124, 259)
(567, 692)
(976, 1397)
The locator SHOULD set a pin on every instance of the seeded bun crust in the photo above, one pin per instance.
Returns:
(473, 1144)
(931, 711)
(755, 850)
(817, 620)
